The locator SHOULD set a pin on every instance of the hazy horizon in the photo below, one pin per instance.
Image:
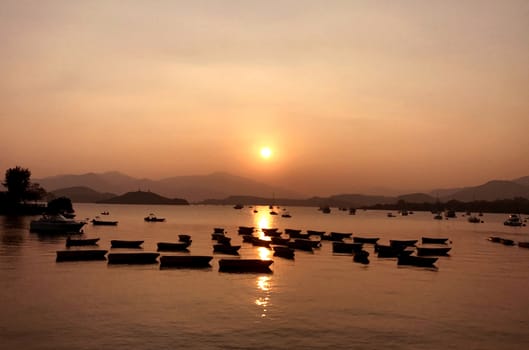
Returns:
(348, 95)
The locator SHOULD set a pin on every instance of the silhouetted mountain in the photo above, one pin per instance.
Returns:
(417, 198)
(194, 188)
(81, 194)
(522, 181)
(140, 197)
(490, 191)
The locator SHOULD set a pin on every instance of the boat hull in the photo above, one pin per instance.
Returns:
(116, 243)
(245, 265)
(133, 258)
(81, 255)
(173, 247)
(185, 261)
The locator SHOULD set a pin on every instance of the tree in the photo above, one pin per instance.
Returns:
(19, 187)
(60, 205)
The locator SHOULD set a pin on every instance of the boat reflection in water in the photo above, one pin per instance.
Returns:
(263, 299)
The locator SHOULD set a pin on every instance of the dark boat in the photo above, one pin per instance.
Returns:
(514, 220)
(245, 265)
(296, 234)
(118, 243)
(238, 206)
(81, 255)
(361, 257)
(245, 230)
(338, 236)
(247, 238)
(272, 232)
(280, 240)
(100, 222)
(506, 241)
(495, 239)
(352, 211)
(303, 244)
(416, 261)
(185, 261)
(368, 240)
(173, 247)
(314, 233)
(433, 251)
(226, 249)
(152, 218)
(184, 238)
(218, 230)
(258, 242)
(283, 251)
(325, 209)
(346, 248)
(286, 215)
(81, 242)
(272, 212)
(133, 258)
(403, 242)
(434, 240)
(523, 244)
(216, 236)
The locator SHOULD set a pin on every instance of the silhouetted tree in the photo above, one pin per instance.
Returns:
(19, 186)
(60, 205)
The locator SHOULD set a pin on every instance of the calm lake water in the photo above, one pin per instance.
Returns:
(477, 298)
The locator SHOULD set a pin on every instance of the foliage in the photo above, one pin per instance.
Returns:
(19, 186)
(60, 205)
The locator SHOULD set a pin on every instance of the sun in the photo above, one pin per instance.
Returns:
(266, 152)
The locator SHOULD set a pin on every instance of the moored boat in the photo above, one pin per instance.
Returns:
(120, 243)
(420, 261)
(346, 248)
(523, 244)
(184, 238)
(245, 265)
(368, 240)
(338, 236)
(506, 241)
(226, 249)
(513, 220)
(495, 239)
(173, 246)
(432, 251)
(283, 251)
(185, 261)
(133, 258)
(81, 255)
(55, 224)
(152, 218)
(403, 242)
(434, 240)
(98, 221)
(315, 233)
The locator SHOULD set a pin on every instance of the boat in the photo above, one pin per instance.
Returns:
(506, 241)
(99, 221)
(286, 215)
(81, 241)
(271, 232)
(450, 213)
(495, 239)
(280, 240)
(513, 220)
(438, 216)
(434, 240)
(119, 243)
(523, 244)
(173, 246)
(420, 261)
(352, 211)
(247, 238)
(218, 230)
(105, 213)
(346, 248)
(273, 212)
(245, 230)
(474, 219)
(81, 255)
(403, 243)
(152, 218)
(55, 224)
(226, 249)
(368, 240)
(238, 206)
(387, 251)
(325, 209)
(338, 236)
(185, 261)
(390, 215)
(361, 257)
(283, 251)
(314, 233)
(304, 244)
(258, 242)
(184, 238)
(133, 258)
(433, 251)
(245, 265)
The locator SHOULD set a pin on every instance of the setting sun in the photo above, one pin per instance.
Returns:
(266, 152)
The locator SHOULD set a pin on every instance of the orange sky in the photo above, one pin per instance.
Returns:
(350, 95)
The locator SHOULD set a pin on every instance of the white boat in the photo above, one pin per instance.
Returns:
(55, 224)
(513, 220)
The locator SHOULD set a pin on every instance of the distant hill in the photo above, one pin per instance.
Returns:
(193, 188)
(417, 198)
(140, 197)
(81, 194)
(490, 191)
(522, 181)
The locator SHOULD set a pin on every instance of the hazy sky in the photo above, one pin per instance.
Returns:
(350, 95)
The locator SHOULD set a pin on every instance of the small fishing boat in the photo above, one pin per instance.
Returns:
(245, 230)
(271, 232)
(338, 236)
(387, 251)
(506, 241)
(173, 247)
(81, 241)
(434, 240)
(304, 244)
(420, 261)
(133, 258)
(258, 242)
(81, 255)
(286, 215)
(368, 240)
(280, 240)
(152, 218)
(119, 243)
(513, 220)
(226, 249)
(495, 239)
(361, 257)
(245, 265)
(313, 233)
(185, 261)
(403, 242)
(218, 230)
(346, 248)
(433, 251)
(238, 206)
(283, 251)
(523, 244)
(100, 222)
(184, 238)
(247, 238)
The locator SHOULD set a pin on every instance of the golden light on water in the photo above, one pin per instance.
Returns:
(263, 286)
(264, 253)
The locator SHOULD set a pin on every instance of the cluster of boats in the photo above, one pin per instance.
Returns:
(506, 241)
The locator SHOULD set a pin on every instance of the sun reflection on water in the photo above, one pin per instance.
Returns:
(263, 286)
(264, 253)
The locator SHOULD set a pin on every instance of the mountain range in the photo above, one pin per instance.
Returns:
(223, 187)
